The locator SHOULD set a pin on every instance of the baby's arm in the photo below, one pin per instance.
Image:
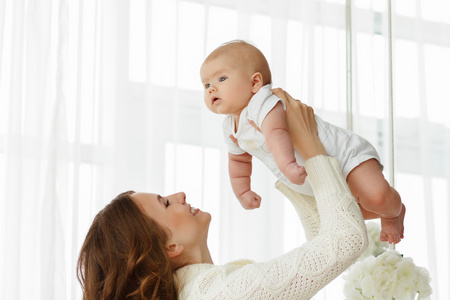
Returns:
(274, 128)
(240, 169)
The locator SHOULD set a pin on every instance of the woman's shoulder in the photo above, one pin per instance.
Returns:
(192, 272)
(185, 277)
(202, 279)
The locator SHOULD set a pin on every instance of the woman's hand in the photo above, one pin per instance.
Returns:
(302, 126)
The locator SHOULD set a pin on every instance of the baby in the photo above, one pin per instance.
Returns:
(237, 82)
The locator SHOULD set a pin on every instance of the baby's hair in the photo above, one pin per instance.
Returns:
(243, 53)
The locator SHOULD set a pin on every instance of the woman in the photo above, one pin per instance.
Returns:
(144, 246)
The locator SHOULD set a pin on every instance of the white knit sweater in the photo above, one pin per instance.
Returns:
(302, 272)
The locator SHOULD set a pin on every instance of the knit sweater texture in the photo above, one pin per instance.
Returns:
(334, 243)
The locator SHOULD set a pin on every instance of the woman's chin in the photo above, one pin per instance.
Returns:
(206, 216)
(206, 219)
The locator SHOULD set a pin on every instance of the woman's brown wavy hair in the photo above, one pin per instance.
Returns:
(124, 255)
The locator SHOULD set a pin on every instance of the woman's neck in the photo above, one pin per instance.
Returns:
(206, 257)
(202, 256)
(196, 256)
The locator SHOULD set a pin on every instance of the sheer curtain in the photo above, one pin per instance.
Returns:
(98, 97)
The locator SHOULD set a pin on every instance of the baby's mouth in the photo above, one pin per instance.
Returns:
(214, 100)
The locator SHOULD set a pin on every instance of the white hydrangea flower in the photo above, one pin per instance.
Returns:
(390, 258)
(387, 276)
(383, 282)
(368, 286)
(406, 271)
(423, 283)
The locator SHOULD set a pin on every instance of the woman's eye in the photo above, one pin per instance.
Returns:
(167, 203)
(222, 79)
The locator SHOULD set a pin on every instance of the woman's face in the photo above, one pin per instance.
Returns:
(188, 225)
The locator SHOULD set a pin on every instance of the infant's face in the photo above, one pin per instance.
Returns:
(227, 88)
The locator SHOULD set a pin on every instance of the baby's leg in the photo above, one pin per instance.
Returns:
(377, 197)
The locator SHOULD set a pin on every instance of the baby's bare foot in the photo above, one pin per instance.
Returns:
(392, 229)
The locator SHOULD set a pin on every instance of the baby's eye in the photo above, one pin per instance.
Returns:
(223, 78)
(167, 203)
(207, 86)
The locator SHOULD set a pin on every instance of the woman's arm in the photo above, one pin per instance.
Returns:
(306, 209)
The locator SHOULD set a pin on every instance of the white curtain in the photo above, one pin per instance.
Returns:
(102, 96)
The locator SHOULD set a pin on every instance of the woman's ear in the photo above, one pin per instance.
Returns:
(257, 82)
(174, 250)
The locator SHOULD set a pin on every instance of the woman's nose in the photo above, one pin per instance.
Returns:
(178, 197)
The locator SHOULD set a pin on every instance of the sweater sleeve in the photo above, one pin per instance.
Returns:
(306, 209)
(302, 272)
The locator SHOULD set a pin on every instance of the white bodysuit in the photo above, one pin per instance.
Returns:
(349, 148)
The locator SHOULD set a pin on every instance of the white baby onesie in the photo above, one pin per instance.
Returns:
(349, 148)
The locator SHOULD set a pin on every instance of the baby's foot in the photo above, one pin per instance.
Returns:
(295, 173)
(392, 229)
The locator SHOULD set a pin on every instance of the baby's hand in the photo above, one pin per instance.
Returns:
(250, 200)
(295, 173)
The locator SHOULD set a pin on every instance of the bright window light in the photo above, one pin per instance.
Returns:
(163, 42)
(191, 42)
(137, 33)
(221, 20)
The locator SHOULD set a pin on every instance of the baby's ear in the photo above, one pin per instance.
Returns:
(257, 82)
